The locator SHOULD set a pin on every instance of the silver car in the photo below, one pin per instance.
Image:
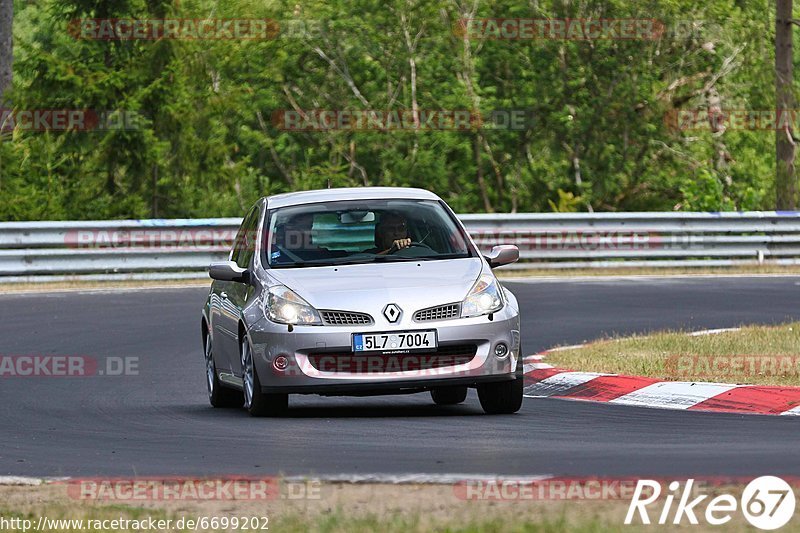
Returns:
(360, 291)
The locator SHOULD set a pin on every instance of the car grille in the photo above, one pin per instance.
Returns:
(375, 363)
(345, 318)
(440, 312)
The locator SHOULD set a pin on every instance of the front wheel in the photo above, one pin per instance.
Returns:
(502, 397)
(449, 395)
(256, 402)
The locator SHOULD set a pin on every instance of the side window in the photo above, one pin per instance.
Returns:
(245, 245)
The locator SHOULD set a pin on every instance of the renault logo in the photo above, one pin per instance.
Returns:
(392, 312)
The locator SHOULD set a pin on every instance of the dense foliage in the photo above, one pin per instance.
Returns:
(599, 135)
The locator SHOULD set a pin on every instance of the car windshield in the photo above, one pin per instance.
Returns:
(353, 232)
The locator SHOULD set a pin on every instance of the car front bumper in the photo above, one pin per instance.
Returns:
(304, 345)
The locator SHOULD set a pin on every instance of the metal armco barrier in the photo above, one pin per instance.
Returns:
(184, 247)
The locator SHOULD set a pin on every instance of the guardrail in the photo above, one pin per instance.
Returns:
(183, 248)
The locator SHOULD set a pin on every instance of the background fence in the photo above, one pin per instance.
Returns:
(163, 249)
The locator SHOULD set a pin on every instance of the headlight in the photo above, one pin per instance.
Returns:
(483, 298)
(284, 306)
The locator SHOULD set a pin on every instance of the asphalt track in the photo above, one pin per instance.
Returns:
(159, 422)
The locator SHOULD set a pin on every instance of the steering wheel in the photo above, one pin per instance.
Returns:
(291, 255)
(401, 251)
(413, 244)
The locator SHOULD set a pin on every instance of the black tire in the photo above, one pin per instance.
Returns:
(267, 404)
(449, 395)
(218, 394)
(502, 397)
(260, 404)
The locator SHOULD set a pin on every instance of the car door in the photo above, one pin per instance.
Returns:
(239, 293)
(231, 296)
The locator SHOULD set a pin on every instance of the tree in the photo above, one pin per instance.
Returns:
(601, 128)
(6, 45)
(785, 144)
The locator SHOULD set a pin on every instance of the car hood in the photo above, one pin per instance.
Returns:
(369, 288)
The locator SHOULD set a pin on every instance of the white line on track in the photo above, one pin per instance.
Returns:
(28, 481)
(404, 479)
(526, 368)
(563, 348)
(712, 331)
(377, 478)
(109, 290)
(635, 277)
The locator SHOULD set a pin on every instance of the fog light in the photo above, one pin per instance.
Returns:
(280, 363)
(501, 351)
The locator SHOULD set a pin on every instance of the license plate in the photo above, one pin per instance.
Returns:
(395, 341)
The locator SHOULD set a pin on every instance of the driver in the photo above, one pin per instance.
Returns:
(391, 234)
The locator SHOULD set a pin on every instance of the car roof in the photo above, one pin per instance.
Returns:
(348, 193)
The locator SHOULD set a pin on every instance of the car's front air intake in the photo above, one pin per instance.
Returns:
(440, 312)
(345, 318)
(349, 362)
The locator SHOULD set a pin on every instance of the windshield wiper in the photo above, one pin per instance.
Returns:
(407, 259)
(330, 263)
(365, 261)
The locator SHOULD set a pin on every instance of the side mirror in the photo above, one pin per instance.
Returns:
(504, 254)
(228, 271)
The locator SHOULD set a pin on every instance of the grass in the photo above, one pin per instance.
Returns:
(357, 508)
(339, 521)
(765, 355)
(335, 521)
(10, 288)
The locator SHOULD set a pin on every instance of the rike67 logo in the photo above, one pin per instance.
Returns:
(767, 503)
